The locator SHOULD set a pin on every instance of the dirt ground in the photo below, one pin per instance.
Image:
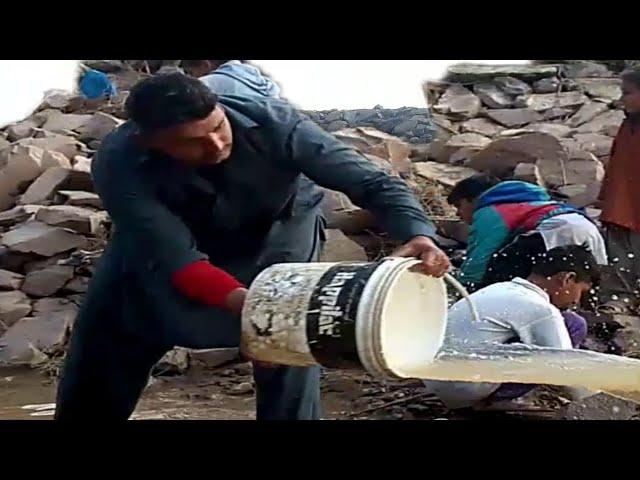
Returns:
(227, 393)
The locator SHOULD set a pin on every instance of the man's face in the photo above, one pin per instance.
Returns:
(197, 143)
(630, 97)
(465, 210)
(203, 68)
(567, 292)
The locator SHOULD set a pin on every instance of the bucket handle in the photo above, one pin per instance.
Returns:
(458, 287)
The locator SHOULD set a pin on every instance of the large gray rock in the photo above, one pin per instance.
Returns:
(59, 122)
(599, 145)
(581, 195)
(585, 68)
(82, 220)
(77, 285)
(46, 282)
(339, 248)
(515, 117)
(14, 305)
(528, 172)
(10, 280)
(47, 328)
(442, 151)
(213, 357)
(587, 112)
(476, 73)
(481, 126)
(447, 175)
(82, 164)
(67, 146)
(607, 123)
(458, 103)
(4, 143)
(99, 126)
(45, 186)
(557, 113)
(80, 198)
(512, 86)
(42, 239)
(21, 130)
(547, 85)
(19, 214)
(174, 362)
(555, 129)
(599, 407)
(23, 165)
(607, 89)
(579, 168)
(504, 154)
(492, 96)
(628, 341)
(542, 102)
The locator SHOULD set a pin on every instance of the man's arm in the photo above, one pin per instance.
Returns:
(157, 240)
(548, 331)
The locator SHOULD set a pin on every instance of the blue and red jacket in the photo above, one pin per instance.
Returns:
(503, 212)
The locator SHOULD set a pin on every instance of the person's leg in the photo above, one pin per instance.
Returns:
(618, 289)
(284, 392)
(576, 326)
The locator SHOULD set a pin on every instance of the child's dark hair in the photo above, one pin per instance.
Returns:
(571, 258)
(632, 76)
(168, 100)
(471, 188)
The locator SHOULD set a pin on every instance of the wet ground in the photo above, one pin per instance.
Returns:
(227, 394)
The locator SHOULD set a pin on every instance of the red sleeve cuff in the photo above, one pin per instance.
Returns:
(204, 283)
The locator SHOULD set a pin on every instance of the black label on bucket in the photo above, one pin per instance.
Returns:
(331, 317)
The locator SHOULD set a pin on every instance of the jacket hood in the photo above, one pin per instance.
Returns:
(512, 192)
(250, 76)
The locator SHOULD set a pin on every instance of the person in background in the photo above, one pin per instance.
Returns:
(512, 224)
(620, 201)
(204, 194)
(520, 311)
(232, 77)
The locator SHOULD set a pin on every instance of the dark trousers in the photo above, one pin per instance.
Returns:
(108, 364)
(577, 328)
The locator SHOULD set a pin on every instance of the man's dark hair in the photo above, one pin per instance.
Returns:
(571, 258)
(632, 76)
(165, 101)
(471, 188)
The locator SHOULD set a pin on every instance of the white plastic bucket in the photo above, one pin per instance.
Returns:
(375, 316)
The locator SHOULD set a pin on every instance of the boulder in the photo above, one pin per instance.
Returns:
(337, 125)
(77, 285)
(18, 214)
(481, 126)
(99, 126)
(56, 99)
(41, 239)
(547, 85)
(82, 164)
(21, 130)
(447, 175)
(214, 357)
(82, 220)
(4, 143)
(47, 328)
(63, 144)
(607, 123)
(174, 362)
(504, 154)
(556, 129)
(599, 145)
(512, 86)
(599, 407)
(46, 282)
(477, 73)
(458, 103)
(23, 165)
(541, 102)
(79, 198)
(339, 248)
(45, 186)
(528, 172)
(441, 151)
(627, 340)
(587, 112)
(10, 280)
(59, 122)
(79, 180)
(606, 89)
(516, 117)
(581, 195)
(14, 305)
(52, 159)
(492, 96)
(579, 168)
(557, 113)
(585, 68)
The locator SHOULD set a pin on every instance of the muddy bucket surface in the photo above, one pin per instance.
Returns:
(374, 316)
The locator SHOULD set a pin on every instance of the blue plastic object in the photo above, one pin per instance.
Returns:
(96, 85)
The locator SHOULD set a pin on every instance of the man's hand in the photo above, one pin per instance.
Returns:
(434, 261)
(235, 301)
